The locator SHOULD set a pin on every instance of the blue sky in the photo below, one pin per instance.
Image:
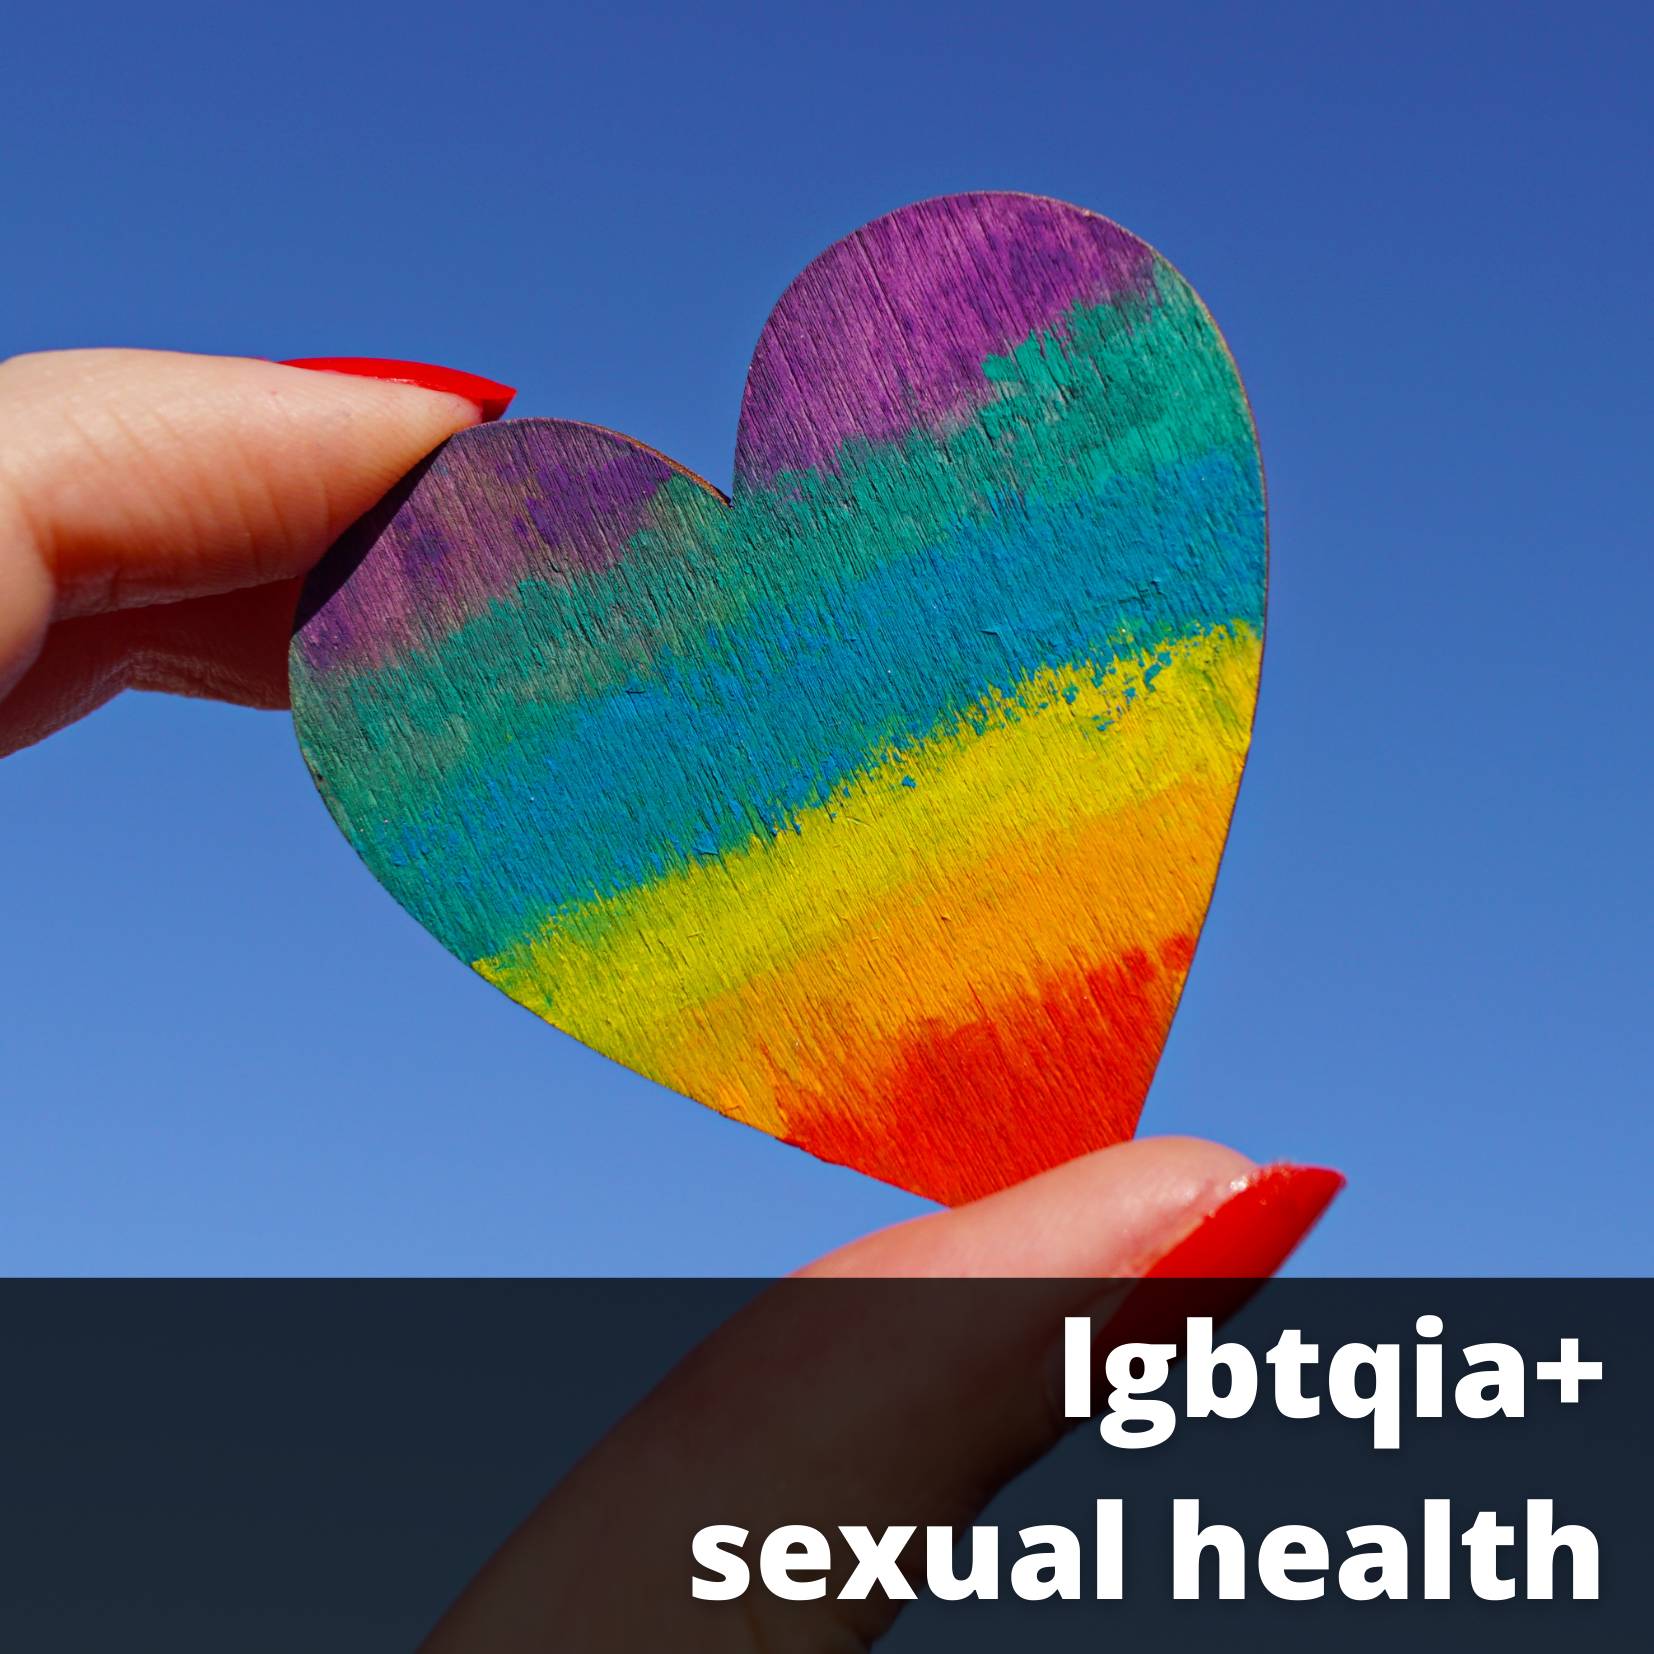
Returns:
(1425, 231)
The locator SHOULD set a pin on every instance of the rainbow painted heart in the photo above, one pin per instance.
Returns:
(879, 806)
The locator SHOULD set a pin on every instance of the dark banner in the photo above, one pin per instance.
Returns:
(664, 1465)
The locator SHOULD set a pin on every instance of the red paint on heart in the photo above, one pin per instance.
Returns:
(1069, 1063)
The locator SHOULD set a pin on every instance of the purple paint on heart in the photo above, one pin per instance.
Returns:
(557, 498)
(942, 286)
(884, 335)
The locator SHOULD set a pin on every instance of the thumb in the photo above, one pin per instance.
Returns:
(902, 1399)
(144, 480)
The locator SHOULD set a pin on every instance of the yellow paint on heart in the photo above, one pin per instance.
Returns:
(1052, 829)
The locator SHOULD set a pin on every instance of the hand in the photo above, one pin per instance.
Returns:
(157, 516)
(826, 1403)
(158, 512)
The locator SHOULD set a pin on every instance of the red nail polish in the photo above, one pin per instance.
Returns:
(1255, 1230)
(1215, 1270)
(491, 397)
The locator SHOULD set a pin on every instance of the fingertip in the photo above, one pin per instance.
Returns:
(149, 476)
(488, 397)
(1108, 1213)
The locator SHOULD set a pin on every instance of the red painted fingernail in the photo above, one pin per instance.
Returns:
(1218, 1267)
(1255, 1230)
(491, 397)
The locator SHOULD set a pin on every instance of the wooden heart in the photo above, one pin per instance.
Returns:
(879, 805)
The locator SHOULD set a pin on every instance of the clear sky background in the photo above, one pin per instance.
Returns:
(1425, 230)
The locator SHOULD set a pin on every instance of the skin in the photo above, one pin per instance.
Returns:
(157, 515)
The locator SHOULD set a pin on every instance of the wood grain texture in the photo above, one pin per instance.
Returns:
(878, 806)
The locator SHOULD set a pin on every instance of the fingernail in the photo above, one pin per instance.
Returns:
(491, 397)
(1255, 1230)
(1240, 1243)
